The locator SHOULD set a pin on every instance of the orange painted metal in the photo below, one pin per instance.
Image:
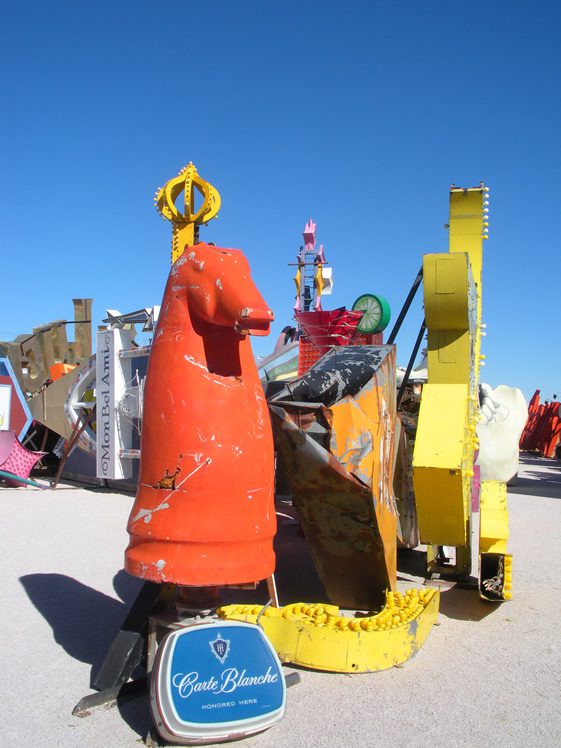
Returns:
(58, 370)
(204, 511)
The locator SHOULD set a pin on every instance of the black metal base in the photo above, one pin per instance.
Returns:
(125, 692)
(128, 649)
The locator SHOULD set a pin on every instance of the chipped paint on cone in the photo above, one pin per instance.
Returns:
(204, 511)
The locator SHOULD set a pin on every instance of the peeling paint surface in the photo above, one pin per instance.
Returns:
(146, 514)
(206, 441)
(333, 428)
(191, 360)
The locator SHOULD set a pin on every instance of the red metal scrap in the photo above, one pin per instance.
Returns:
(542, 432)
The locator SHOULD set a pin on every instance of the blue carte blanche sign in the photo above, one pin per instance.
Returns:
(216, 681)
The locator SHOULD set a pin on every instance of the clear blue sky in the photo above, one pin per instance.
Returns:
(358, 113)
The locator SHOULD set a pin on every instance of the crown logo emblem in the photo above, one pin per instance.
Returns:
(220, 648)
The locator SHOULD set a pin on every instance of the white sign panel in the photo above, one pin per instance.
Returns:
(112, 432)
(5, 404)
(214, 682)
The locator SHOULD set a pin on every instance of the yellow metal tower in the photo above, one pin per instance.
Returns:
(446, 441)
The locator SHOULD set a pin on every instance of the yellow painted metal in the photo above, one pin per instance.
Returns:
(186, 221)
(495, 564)
(493, 528)
(468, 227)
(445, 441)
(318, 280)
(467, 223)
(443, 464)
(446, 435)
(507, 592)
(447, 287)
(450, 314)
(447, 353)
(318, 637)
(298, 282)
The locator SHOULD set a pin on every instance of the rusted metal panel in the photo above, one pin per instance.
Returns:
(407, 523)
(334, 429)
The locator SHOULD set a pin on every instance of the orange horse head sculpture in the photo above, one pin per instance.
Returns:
(204, 511)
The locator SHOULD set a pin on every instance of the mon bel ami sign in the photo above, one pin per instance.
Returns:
(216, 681)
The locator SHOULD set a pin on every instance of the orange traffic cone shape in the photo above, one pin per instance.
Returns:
(204, 511)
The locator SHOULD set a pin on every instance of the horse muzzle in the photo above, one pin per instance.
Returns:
(254, 321)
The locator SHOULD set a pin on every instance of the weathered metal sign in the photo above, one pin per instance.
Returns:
(111, 380)
(216, 681)
(334, 429)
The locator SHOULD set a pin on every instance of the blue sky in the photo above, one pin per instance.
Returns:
(357, 113)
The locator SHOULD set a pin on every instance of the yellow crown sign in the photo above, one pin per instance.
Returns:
(185, 222)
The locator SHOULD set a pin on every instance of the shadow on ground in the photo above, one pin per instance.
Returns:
(84, 621)
(534, 483)
(538, 476)
(465, 604)
(412, 562)
(456, 600)
(527, 458)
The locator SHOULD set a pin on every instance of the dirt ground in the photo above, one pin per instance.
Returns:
(487, 675)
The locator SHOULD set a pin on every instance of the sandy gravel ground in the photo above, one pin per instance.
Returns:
(487, 675)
